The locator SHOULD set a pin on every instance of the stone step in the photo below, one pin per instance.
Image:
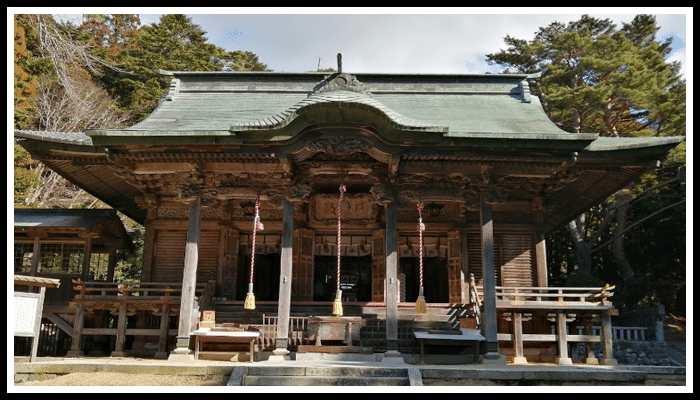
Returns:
(325, 376)
(324, 381)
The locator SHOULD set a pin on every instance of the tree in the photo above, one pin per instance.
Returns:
(174, 43)
(66, 99)
(615, 82)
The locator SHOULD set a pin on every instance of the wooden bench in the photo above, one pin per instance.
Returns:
(206, 336)
(468, 338)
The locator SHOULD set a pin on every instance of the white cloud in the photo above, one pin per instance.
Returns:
(392, 41)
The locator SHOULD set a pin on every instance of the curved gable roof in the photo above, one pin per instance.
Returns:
(223, 103)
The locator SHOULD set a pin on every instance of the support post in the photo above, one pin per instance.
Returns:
(87, 253)
(163, 334)
(518, 338)
(285, 293)
(607, 339)
(36, 256)
(111, 263)
(78, 321)
(541, 260)
(189, 282)
(588, 330)
(121, 333)
(489, 316)
(562, 344)
(392, 284)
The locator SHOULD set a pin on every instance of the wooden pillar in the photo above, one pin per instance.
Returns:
(562, 344)
(489, 317)
(36, 256)
(111, 263)
(121, 332)
(541, 260)
(285, 294)
(607, 339)
(87, 253)
(588, 330)
(392, 284)
(78, 320)
(518, 338)
(163, 334)
(189, 281)
(149, 246)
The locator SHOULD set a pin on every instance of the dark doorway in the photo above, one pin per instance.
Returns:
(266, 277)
(355, 278)
(435, 287)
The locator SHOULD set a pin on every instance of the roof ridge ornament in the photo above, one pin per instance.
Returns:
(340, 81)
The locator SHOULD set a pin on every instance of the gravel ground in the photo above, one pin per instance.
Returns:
(123, 379)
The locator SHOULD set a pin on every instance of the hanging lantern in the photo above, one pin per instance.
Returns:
(249, 303)
(337, 303)
(420, 302)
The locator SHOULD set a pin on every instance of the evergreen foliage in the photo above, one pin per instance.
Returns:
(615, 82)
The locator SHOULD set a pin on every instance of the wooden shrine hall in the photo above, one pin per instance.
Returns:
(370, 192)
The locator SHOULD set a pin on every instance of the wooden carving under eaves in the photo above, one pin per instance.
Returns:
(361, 209)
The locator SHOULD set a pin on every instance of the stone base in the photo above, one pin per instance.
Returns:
(564, 361)
(519, 360)
(75, 353)
(493, 358)
(393, 357)
(608, 361)
(181, 354)
(592, 361)
(280, 355)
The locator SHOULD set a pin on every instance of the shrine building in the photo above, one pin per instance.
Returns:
(370, 189)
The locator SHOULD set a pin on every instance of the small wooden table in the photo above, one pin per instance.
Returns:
(468, 337)
(346, 329)
(203, 336)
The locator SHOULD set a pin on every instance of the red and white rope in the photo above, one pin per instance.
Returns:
(340, 203)
(257, 225)
(421, 228)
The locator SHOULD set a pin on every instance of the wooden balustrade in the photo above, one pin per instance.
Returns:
(560, 305)
(122, 299)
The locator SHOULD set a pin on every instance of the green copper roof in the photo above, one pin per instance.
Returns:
(220, 103)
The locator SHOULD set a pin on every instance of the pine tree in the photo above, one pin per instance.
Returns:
(614, 82)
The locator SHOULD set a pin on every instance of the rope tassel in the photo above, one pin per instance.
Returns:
(249, 303)
(420, 302)
(337, 303)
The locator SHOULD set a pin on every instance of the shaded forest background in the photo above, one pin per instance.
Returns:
(595, 77)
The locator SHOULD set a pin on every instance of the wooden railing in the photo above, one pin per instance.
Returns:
(160, 299)
(474, 300)
(297, 332)
(105, 291)
(560, 305)
(554, 298)
(621, 333)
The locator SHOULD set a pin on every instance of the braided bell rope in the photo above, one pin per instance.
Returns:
(257, 225)
(421, 228)
(340, 202)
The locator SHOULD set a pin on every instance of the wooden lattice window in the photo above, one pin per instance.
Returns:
(65, 258)
(23, 253)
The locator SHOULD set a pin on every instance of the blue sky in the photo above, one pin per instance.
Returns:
(389, 40)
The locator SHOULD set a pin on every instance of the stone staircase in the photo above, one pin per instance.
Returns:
(319, 376)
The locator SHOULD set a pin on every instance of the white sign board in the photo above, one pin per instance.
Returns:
(26, 307)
